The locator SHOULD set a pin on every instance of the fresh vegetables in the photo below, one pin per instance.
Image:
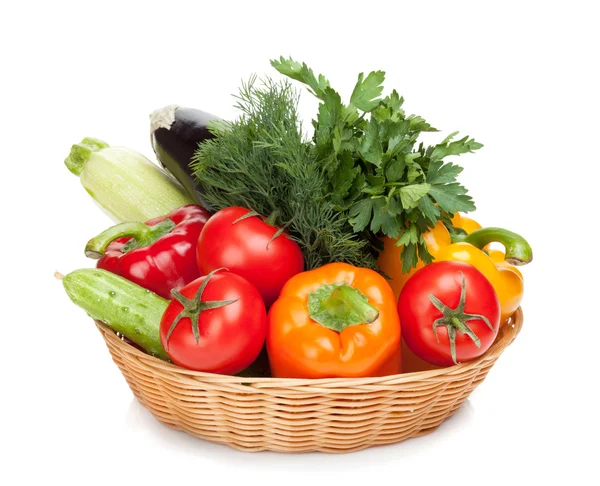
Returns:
(335, 321)
(262, 162)
(253, 214)
(449, 313)
(248, 245)
(375, 170)
(124, 306)
(123, 182)
(175, 132)
(159, 255)
(215, 324)
(498, 267)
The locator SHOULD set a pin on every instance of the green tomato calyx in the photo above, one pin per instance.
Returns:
(456, 319)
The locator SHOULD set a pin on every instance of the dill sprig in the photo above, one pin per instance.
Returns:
(262, 161)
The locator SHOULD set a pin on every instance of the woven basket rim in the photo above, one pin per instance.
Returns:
(508, 332)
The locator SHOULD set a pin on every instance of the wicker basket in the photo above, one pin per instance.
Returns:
(291, 415)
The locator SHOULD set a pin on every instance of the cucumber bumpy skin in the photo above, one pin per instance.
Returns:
(124, 306)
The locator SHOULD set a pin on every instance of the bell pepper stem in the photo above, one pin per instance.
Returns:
(517, 250)
(344, 299)
(141, 235)
(339, 306)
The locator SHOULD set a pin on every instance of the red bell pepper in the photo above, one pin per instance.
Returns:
(159, 255)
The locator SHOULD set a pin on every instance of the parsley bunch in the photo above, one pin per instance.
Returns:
(376, 172)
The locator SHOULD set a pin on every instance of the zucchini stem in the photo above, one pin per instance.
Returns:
(81, 152)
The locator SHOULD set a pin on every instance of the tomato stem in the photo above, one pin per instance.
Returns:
(456, 319)
(272, 218)
(192, 308)
(249, 214)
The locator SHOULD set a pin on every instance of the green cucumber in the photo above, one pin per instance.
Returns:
(124, 306)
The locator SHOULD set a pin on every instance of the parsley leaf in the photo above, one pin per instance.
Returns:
(462, 146)
(366, 93)
(388, 184)
(411, 195)
(370, 148)
(409, 237)
(360, 214)
(440, 173)
(302, 73)
(430, 211)
(395, 169)
(383, 219)
(330, 109)
(452, 198)
(409, 257)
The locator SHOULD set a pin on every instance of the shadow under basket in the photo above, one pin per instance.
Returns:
(295, 415)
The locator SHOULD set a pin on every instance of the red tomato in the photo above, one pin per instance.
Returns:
(215, 324)
(246, 247)
(454, 301)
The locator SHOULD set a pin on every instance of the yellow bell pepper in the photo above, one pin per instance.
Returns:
(498, 266)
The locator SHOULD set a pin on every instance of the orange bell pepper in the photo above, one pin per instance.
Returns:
(498, 266)
(335, 321)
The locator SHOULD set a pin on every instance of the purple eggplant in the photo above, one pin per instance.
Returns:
(176, 132)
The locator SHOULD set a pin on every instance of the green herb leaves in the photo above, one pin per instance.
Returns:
(301, 72)
(366, 93)
(363, 175)
(261, 162)
(411, 195)
(361, 214)
(375, 172)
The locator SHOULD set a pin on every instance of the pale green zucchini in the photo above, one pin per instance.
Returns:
(127, 185)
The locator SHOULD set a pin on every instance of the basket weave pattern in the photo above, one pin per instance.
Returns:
(292, 415)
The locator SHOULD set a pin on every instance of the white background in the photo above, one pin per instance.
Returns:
(521, 77)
